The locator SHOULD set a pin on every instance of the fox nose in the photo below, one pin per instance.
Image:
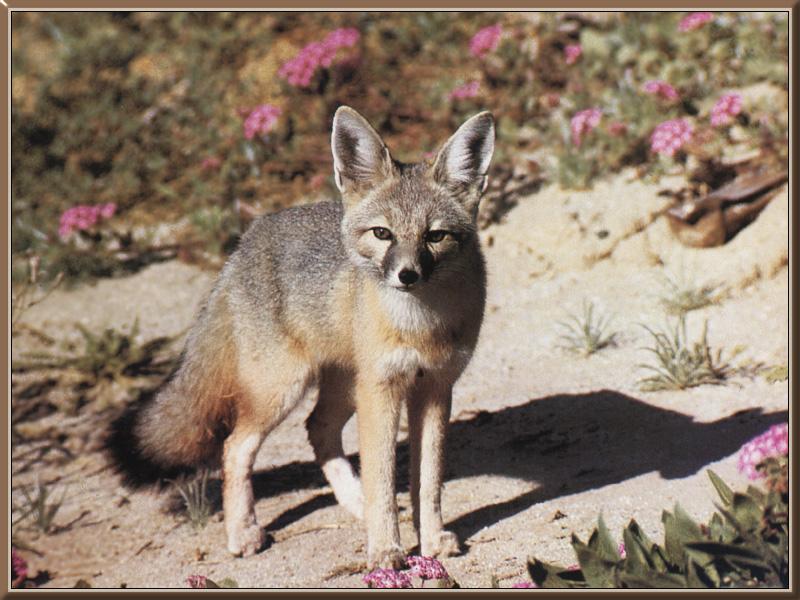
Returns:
(407, 277)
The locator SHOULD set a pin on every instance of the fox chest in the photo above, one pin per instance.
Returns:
(409, 363)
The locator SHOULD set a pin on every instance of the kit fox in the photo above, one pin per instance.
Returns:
(366, 304)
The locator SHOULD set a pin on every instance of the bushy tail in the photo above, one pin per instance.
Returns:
(182, 425)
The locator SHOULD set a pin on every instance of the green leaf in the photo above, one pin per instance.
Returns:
(602, 543)
(687, 528)
(725, 493)
(652, 579)
(228, 583)
(599, 573)
(547, 575)
(697, 577)
(746, 512)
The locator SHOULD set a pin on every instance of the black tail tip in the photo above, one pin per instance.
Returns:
(121, 447)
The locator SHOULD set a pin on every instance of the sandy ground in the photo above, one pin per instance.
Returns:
(536, 431)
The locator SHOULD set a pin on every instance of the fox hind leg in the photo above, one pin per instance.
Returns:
(334, 408)
(245, 537)
(268, 394)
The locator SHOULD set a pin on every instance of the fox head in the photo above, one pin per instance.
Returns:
(409, 225)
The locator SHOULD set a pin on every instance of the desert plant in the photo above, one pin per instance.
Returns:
(110, 366)
(37, 511)
(679, 364)
(197, 503)
(112, 354)
(681, 295)
(776, 373)
(586, 333)
(745, 544)
(27, 296)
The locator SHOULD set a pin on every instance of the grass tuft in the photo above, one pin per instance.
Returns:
(681, 364)
(197, 504)
(37, 510)
(586, 333)
(680, 295)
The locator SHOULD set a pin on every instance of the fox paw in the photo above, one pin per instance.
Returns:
(246, 541)
(389, 558)
(443, 543)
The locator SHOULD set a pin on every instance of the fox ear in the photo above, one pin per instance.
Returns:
(360, 158)
(463, 161)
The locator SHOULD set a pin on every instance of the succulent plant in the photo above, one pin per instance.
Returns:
(745, 544)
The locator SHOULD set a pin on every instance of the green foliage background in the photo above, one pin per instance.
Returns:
(124, 107)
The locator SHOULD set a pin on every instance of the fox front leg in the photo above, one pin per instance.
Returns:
(428, 415)
(378, 418)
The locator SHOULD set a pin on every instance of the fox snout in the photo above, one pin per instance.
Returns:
(406, 268)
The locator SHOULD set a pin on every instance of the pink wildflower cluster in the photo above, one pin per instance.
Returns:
(773, 442)
(19, 568)
(661, 89)
(486, 40)
(583, 122)
(523, 585)
(197, 582)
(387, 578)
(426, 567)
(299, 70)
(670, 136)
(725, 109)
(467, 90)
(572, 52)
(694, 20)
(83, 217)
(261, 120)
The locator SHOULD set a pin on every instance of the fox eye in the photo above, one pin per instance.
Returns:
(435, 236)
(382, 233)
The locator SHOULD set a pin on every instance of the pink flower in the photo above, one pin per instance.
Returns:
(668, 137)
(84, 217)
(261, 120)
(426, 567)
(622, 552)
(19, 568)
(468, 90)
(661, 89)
(726, 108)
(617, 128)
(387, 578)
(524, 585)
(210, 163)
(694, 20)
(583, 122)
(197, 582)
(773, 442)
(486, 40)
(299, 70)
(572, 53)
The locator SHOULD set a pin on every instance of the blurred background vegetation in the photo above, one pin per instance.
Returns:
(146, 111)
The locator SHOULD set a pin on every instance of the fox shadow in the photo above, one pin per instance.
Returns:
(565, 443)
